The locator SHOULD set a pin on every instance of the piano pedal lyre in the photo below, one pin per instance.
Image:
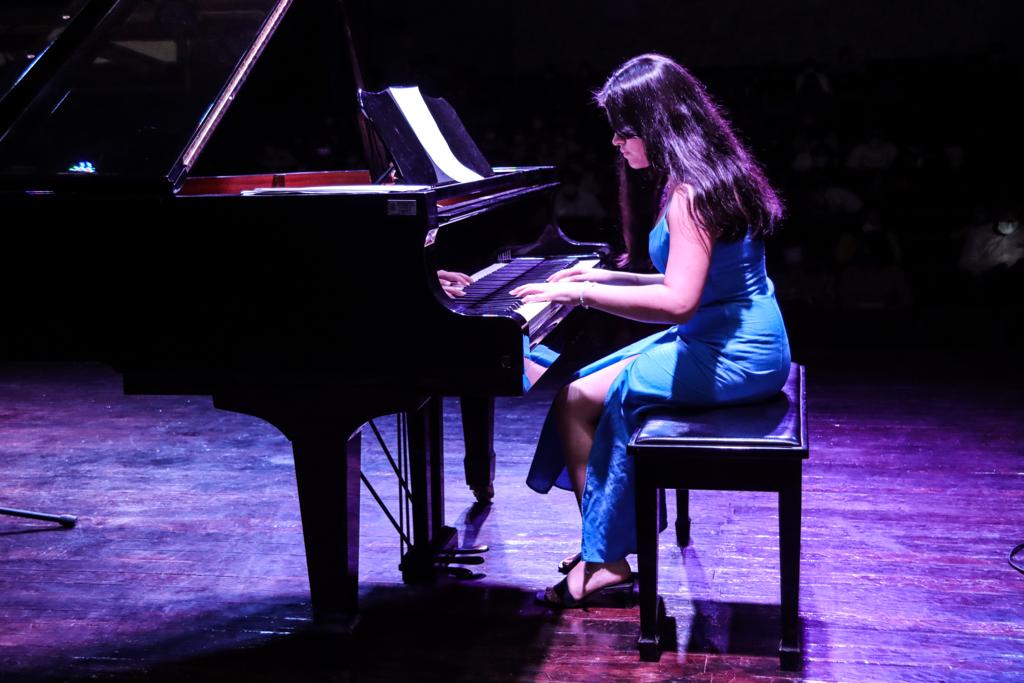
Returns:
(415, 563)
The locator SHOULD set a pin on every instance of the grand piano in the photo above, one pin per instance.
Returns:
(147, 226)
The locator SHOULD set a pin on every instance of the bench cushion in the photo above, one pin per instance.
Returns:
(775, 423)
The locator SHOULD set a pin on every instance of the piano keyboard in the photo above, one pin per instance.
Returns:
(489, 293)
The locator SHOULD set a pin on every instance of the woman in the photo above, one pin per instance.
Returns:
(684, 167)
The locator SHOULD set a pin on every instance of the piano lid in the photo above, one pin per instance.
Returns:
(139, 96)
(28, 28)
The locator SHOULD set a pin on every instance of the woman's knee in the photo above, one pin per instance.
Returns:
(580, 399)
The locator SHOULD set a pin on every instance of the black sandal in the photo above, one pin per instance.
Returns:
(566, 565)
(560, 597)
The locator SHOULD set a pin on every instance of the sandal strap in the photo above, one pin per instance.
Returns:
(565, 598)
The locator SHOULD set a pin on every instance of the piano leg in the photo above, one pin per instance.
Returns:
(426, 462)
(326, 449)
(478, 434)
(330, 526)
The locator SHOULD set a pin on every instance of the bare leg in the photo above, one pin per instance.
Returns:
(533, 370)
(578, 409)
(587, 577)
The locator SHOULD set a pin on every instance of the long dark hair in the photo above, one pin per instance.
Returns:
(687, 140)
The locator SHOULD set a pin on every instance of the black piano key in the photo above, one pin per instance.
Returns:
(490, 294)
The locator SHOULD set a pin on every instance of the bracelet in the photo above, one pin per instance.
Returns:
(586, 285)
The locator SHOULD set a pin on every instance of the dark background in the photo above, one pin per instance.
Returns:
(893, 133)
(892, 130)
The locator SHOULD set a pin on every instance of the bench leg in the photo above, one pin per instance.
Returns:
(682, 517)
(647, 523)
(789, 562)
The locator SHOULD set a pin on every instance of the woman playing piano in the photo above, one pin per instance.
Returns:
(711, 207)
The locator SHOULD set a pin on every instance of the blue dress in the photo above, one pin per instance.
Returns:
(734, 349)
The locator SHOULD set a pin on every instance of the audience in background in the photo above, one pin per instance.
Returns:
(872, 153)
(577, 205)
(993, 243)
(870, 267)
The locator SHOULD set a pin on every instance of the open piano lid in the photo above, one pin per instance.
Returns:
(136, 100)
(27, 42)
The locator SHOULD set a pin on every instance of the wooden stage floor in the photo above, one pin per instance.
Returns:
(188, 565)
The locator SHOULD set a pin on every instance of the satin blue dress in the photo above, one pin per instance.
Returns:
(733, 350)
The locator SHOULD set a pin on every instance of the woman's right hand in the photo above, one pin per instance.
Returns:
(585, 274)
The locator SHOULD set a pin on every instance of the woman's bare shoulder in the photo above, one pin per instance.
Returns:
(682, 217)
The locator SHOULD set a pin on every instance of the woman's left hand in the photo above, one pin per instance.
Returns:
(453, 283)
(558, 292)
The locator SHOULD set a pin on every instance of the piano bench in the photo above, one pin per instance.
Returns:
(751, 447)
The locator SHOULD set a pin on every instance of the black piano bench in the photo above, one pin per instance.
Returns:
(750, 447)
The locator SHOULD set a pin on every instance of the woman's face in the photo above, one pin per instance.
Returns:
(632, 150)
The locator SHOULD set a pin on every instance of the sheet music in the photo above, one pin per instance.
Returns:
(410, 102)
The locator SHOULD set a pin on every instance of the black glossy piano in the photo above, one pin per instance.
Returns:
(178, 201)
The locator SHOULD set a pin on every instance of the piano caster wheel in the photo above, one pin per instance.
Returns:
(484, 496)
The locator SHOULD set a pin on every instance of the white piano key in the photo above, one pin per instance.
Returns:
(487, 271)
(532, 310)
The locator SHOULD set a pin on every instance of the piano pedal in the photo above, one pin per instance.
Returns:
(469, 550)
(458, 559)
(463, 574)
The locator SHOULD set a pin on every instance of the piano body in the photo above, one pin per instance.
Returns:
(314, 310)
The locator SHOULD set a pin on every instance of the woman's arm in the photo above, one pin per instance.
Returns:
(608, 277)
(673, 300)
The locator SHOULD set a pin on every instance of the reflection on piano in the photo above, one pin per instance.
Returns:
(136, 137)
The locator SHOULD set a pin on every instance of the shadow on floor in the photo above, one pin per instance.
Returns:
(447, 632)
